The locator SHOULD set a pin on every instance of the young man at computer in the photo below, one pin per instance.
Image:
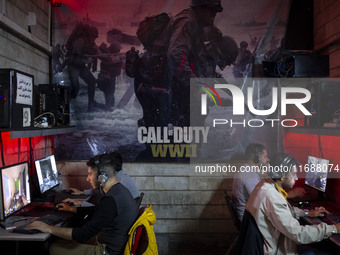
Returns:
(111, 220)
(256, 157)
(276, 219)
(121, 176)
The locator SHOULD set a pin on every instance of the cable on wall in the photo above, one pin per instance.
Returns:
(2, 150)
(320, 147)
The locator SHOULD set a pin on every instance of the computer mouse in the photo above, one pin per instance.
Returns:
(58, 206)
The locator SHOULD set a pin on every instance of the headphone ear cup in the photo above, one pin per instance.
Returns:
(102, 178)
(286, 160)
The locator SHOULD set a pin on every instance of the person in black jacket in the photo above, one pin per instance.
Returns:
(109, 222)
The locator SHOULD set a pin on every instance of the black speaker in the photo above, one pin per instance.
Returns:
(55, 100)
(311, 66)
(16, 99)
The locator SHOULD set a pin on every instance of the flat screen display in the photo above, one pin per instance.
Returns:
(15, 188)
(316, 174)
(47, 173)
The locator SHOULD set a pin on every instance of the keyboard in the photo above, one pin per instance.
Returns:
(331, 218)
(50, 219)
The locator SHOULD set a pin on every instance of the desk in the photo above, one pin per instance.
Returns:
(8, 235)
(331, 207)
(35, 209)
(17, 238)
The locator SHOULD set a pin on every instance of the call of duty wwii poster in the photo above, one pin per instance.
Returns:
(131, 64)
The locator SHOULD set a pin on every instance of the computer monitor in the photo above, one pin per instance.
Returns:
(15, 189)
(47, 173)
(316, 173)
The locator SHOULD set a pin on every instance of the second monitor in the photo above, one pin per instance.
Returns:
(316, 175)
(47, 173)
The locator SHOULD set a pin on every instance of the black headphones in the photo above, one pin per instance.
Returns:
(102, 176)
(285, 162)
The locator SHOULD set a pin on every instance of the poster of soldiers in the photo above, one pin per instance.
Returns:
(129, 63)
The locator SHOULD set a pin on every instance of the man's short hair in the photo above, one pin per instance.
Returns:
(253, 152)
(117, 160)
(104, 163)
(280, 165)
(92, 163)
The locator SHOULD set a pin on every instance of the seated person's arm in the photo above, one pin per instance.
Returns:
(76, 191)
(280, 216)
(104, 213)
(75, 202)
(65, 233)
(296, 192)
(317, 212)
(66, 207)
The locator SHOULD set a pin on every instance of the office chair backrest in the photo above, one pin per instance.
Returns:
(250, 240)
(139, 199)
(232, 210)
(142, 239)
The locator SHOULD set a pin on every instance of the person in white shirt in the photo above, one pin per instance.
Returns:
(249, 175)
(276, 219)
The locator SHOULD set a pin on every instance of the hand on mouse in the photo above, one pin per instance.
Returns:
(71, 201)
(75, 191)
(318, 212)
(66, 207)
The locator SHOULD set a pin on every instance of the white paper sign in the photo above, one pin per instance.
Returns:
(24, 89)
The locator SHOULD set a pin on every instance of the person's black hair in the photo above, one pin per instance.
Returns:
(280, 165)
(253, 152)
(117, 160)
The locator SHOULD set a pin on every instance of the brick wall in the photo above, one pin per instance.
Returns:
(23, 50)
(327, 32)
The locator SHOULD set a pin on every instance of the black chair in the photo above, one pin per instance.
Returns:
(139, 199)
(237, 223)
(250, 240)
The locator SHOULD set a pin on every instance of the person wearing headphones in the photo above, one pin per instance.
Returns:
(95, 194)
(249, 176)
(109, 221)
(276, 219)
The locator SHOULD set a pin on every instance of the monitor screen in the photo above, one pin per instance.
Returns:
(15, 188)
(47, 173)
(316, 173)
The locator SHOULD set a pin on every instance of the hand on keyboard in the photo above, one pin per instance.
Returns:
(318, 212)
(338, 227)
(40, 226)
